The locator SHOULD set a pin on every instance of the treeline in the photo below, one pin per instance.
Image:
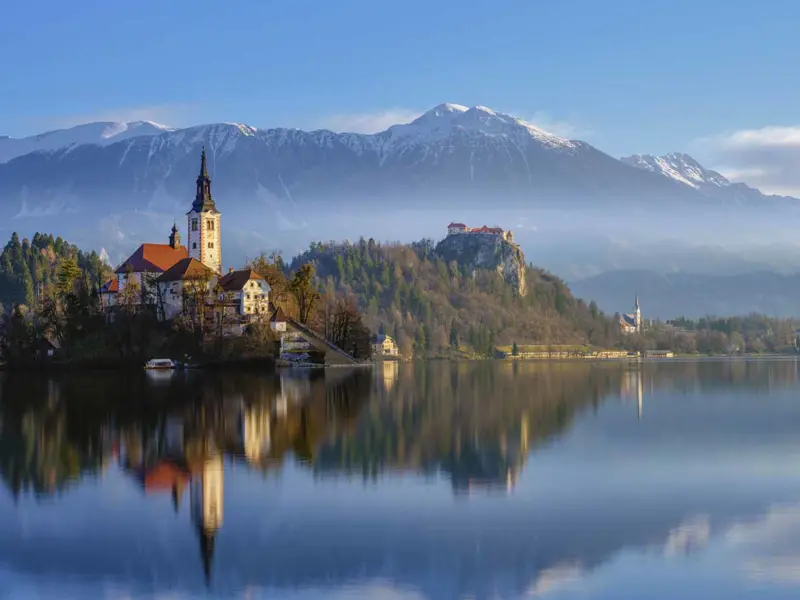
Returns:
(29, 266)
(432, 307)
(751, 334)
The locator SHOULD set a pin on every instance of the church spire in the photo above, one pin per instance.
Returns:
(203, 168)
(203, 202)
(175, 237)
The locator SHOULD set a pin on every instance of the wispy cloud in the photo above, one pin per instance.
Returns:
(562, 128)
(173, 115)
(368, 122)
(767, 158)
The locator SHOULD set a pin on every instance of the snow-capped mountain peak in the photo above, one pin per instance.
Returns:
(100, 133)
(680, 167)
(442, 120)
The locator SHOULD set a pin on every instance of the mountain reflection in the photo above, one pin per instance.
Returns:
(478, 426)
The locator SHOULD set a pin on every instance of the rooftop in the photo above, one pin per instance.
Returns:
(236, 280)
(186, 269)
(153, 258)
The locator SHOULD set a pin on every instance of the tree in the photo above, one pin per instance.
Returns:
(514, 350)
(68, 274)
(304, 291)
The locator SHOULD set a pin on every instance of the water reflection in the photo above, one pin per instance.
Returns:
(316, 479)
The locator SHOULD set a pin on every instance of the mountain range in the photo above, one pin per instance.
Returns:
(573, 208)
(450, 154)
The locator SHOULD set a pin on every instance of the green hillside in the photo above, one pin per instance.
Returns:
(433, 307)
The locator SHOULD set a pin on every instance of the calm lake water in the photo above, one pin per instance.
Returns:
(427, 481)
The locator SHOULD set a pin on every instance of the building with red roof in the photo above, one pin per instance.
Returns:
(461, 228)
(247, 292)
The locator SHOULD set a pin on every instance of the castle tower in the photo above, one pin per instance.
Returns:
(204, 223)
(174, 238)
(206, 508)
(638, 315)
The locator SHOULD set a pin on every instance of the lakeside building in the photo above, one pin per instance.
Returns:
(632, 322)
(383, 345)
(174, 279)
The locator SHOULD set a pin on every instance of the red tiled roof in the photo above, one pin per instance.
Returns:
(186, 269)
(153, 258)
(110, 287)
(486, 229)
(236, 280)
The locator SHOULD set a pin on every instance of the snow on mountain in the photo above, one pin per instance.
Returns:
(686, 170)
(678, 166)
(442, 120)
(100, 133)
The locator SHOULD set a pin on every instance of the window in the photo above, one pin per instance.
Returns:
(210, 244)
(210, 224)
(194, 224)
(194, 245)
(247, 296)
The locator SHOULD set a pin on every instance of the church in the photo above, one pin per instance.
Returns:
(167, 276)
(632, 322)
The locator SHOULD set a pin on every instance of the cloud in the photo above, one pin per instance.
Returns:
(766, 158)
(564, 129)
(173, 115)
(767, 546)
(555, 578)
(368, 122)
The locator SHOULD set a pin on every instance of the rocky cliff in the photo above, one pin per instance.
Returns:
(481, 251)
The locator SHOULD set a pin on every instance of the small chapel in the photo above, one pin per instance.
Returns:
(632, 322)
(163, 276)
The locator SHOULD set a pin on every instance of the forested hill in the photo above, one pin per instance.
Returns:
(27, 263)
(431, 306)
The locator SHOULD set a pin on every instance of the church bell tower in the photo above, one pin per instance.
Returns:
(204, 223)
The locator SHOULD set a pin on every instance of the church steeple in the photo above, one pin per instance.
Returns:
(175, 237)
(203, 202)
(204, 241)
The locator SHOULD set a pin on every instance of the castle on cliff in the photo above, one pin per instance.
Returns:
(461, 229)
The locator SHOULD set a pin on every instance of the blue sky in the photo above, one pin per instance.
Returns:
(627, 76)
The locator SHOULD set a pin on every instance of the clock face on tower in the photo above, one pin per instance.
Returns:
(204, 223)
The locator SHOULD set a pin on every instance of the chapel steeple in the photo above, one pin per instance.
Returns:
(204, 242)
(175, 237)
(203, 202)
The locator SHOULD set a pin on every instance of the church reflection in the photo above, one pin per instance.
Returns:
(631, 389)
(191, 449)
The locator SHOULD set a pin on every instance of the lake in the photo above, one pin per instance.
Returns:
(438, 480)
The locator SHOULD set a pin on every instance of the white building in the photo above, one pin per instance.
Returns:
(141, 269)
(165, 275)
(248, 292)
(632, 322)
(383, 345)
(204, 223)
(183, 285)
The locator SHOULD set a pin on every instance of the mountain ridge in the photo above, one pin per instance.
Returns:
(685, 169)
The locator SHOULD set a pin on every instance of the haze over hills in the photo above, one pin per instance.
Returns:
(574, 209)
(693, 295)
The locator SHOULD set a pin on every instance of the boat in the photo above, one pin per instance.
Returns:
(161, 363)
